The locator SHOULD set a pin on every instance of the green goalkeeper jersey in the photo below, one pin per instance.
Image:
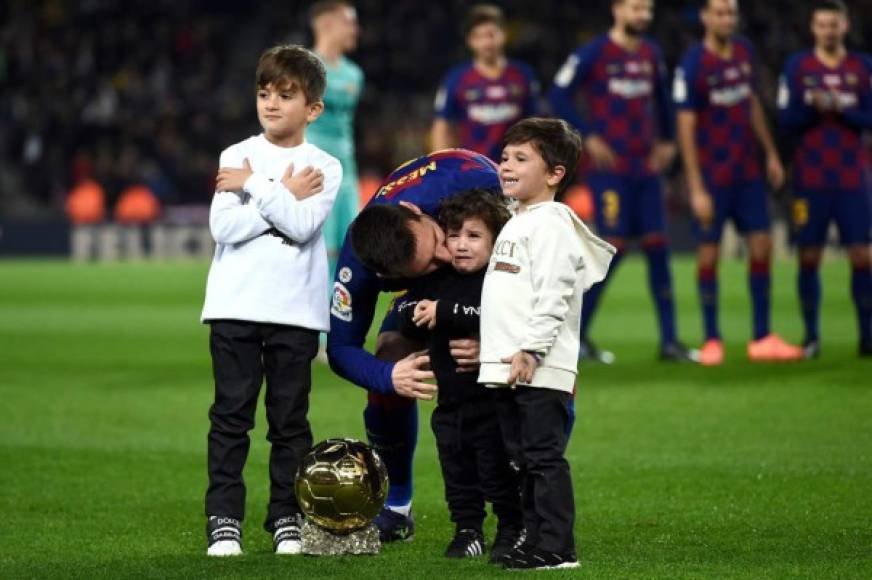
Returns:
(333, 131)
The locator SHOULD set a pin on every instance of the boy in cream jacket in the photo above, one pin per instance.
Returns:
(543, 260)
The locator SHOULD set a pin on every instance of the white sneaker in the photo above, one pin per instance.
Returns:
(286, 535)
(223, 548)
(224, 535)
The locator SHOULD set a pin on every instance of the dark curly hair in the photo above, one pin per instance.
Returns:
(475, 203)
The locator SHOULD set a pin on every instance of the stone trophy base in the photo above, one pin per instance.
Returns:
(319, 542)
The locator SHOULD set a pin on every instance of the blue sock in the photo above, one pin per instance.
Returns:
(809, 285)
(392, 428)
(660, 284)
(861, 291)
(707, 284)
(759, 282)
(592, 297)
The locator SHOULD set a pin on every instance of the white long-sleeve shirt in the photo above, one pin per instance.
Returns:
(270, 262)
(544, 259)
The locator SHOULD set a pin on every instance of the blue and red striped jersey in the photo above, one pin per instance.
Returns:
(484, 108)
(626, 98)
(719, 91)
(829, 150)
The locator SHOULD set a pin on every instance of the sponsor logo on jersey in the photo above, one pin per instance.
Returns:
(846, 100)
(345, 275)
(340, 306)
(630, 88)
(487, 114)
(729, 96)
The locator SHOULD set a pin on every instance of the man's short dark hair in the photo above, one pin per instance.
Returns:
(483, 14)
(555, 140)
(326, 7)
(382, 240)
(292, 66)
(475, 203)
(830, 6)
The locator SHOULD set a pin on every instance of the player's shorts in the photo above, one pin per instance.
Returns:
(745, 203)
(627, 206)
(813, 210)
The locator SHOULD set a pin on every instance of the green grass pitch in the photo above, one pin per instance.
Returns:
(742, 471)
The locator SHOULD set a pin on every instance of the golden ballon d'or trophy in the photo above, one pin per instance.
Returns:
(341, 486)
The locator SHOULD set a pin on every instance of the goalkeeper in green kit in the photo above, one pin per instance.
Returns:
(334, 25)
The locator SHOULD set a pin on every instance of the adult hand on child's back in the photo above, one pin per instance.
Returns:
(409, 375)
(465, 353)
(304, 183)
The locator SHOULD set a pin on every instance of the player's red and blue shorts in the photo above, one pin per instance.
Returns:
(627, 206)
(813, 210)
(744, 202)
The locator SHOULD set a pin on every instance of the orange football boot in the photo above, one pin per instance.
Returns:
(712, 352)
(772, 348)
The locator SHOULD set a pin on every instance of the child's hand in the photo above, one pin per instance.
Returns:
(305, 183)
(231, 179)
(425, 313)
(523, 366)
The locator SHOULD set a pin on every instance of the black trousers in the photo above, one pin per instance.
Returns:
(475, 465)
(533, 422)
(243, 353)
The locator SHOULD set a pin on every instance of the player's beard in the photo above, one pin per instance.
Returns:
(634, 31)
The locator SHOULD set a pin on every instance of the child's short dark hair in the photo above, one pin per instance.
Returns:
(475, 203)
(483, 14)
(555, 140)
(290, 64)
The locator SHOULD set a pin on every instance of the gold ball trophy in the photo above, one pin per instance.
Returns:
(341, 486)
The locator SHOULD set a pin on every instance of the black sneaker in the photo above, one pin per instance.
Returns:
(588, 351)
(467, 543)
(286, 535)
(506, 540)
(394, 526)
(865, 349)
(519, 551)
(811, 349)
(677, 352)
(224, 536)
(537, 559)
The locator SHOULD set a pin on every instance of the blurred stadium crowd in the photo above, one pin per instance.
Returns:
(149, 93)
